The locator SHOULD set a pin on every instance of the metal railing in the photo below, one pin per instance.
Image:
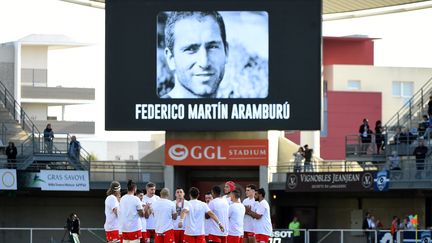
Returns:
(413, 108)
(34, 77)
(103, 171)
(407, 170)
(403, 145)
(35, 143)
(95, 235)
(49, 235)
(17, 112)
(3, 135)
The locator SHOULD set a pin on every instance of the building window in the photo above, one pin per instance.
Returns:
(354, 85)
(403, 89)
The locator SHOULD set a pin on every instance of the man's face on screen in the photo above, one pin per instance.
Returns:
(199, 55)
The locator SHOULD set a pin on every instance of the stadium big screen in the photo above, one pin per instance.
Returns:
(214, 65)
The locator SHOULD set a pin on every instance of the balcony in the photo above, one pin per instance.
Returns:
(58, 93)
(412, 174)
(72, 127)
(35, 86)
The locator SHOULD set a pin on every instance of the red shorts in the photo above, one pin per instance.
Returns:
(234, 239)
(112, 235)
(217, 238)
(194, 239)
(150, 233)
(165, 237)
(143, 237)
(178, 236)
(132, 235)
(262, 238)
(249, 234)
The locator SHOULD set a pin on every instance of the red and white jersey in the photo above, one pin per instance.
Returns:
(220, 207)
(236, 215)
(249, 222)
(163, 209)
(194, 221)
(150, 222)
(263, 225)
(179, 207)
(129, 218)
(111, 219)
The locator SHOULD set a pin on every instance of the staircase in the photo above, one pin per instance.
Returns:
(406, 118)
(17, 127)
(410, 115)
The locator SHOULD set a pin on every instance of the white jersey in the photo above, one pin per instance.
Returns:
(143, 221)
(129, 218)
(111, 219)
(220, 207)
(179, 207)
(228, 198)
(263, 225)
(195, 217)
(150, 221)
(249, 222)
(207, 224)
(236, 215)
(163, 209)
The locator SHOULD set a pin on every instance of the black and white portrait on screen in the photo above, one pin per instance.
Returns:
(222, 55)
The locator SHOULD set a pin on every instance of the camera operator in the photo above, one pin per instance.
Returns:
(73, 226)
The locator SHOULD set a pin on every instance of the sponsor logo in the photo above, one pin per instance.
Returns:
(8, 179)
(178, 152)
(367, 180)
(292, 181)
(279, 236)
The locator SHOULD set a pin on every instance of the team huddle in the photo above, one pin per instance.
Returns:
(138, 218)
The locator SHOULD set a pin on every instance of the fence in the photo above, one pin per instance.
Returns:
(96, 235)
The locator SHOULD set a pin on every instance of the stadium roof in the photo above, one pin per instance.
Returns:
(329, 6)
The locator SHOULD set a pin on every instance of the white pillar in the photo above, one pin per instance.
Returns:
(17, 81)
(169, 178)
(263, 180)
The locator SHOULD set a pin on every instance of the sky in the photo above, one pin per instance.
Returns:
(404, 40)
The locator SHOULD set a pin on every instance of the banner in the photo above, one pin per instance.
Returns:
(337, 182)
(217, 152)
(8, 179)
(64, 180)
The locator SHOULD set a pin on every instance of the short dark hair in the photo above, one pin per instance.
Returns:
(261, 192)
(208, 193)
(138, 191)
(252, 186)
(131, 185)
(194, 192)
(216, 190)
(236, 194)
(175, 16)
(150, 185)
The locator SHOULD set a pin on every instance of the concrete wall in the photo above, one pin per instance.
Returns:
(109, 150)
(7, 65)
(377, 79)
(44, 209)
(36, 111)
(35, 57)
